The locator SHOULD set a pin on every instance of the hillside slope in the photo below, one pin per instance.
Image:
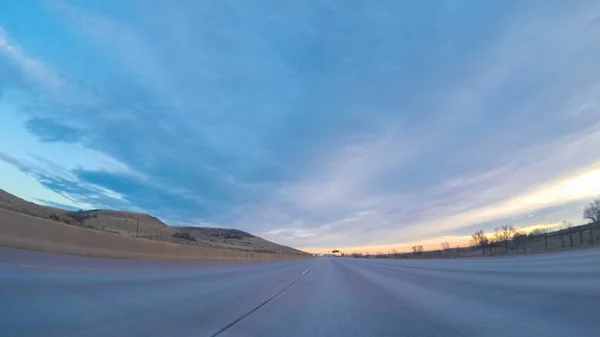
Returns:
(236, 239)
(16, 204)
(146, 226)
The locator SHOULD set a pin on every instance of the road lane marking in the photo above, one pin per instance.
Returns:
(225, 328)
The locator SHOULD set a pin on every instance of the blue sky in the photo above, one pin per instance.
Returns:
(364, 125)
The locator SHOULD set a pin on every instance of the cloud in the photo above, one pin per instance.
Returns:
(292, 233)
(52, 131)
(30, 67)
(427, 121)
(102, 189)
(480, 178)
(142, 194)
(56, 204)
(5, 157)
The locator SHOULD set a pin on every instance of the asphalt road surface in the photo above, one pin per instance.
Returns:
(49, 295)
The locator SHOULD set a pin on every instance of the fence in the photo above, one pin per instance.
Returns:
(568, 238)
(565, 239)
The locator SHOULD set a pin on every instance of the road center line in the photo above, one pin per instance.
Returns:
(259, 306)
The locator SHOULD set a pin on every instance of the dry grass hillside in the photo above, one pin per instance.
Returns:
(235, 239)
(146, 226)
(16, 204)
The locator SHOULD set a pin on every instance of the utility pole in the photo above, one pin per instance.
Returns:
(137, 228)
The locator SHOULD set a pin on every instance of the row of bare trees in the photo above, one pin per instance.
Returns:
(500, 236)
(507, 233)
(417, 249)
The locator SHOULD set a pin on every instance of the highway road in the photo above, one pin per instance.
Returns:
(47, 295)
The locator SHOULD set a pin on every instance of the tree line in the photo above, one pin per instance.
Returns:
(506, 233)
(501, 235)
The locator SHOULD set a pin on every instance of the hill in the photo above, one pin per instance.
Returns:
(236, 239)
(146, 226)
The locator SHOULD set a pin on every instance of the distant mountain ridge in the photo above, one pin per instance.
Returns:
(146, 226)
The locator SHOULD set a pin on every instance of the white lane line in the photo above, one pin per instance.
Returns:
(258, 307)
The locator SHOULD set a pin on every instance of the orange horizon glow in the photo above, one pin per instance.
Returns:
(583, 185)
(405, 247)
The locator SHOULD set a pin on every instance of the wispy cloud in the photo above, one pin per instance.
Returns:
(32, 69)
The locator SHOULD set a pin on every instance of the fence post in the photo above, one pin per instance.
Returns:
(546, 242)
(137, 228)
(570, 237)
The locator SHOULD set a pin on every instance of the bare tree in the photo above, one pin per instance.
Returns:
(592, 211)
(479, 238)
(539, 231)
(566, 224)
(518, 234)
(417, 249)
(445, 245)
(504, 233)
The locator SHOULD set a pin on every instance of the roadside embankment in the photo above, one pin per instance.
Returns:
(27, 232)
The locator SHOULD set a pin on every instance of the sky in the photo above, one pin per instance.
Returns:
(355, 125)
